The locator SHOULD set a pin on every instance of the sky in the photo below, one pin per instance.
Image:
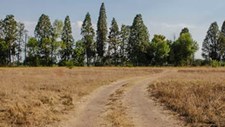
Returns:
(165, 17)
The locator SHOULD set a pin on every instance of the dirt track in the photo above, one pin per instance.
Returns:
(122, 103)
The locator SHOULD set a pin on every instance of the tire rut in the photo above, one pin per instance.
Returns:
(123, 103)
(89, 109)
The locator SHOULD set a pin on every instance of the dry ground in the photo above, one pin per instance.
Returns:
(40, 96)
(124, 103)
(111, 97)
(197, 94)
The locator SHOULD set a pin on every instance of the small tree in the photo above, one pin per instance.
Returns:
(183, 49)
(160, 49)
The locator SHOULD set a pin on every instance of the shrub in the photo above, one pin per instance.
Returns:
(215, 63)
(69, 64)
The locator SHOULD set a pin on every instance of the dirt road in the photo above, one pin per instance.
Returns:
(124, 103)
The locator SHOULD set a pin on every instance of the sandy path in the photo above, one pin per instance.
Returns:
(143, 110)
(91, 107)
(140, 109)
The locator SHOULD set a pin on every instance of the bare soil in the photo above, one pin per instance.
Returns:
(124, 103)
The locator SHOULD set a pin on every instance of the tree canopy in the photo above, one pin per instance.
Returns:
(101, 33)
(126, 45)
(138, 42)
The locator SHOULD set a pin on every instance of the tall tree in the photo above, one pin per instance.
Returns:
(160, 49)
(221, 42)
(10, 36)
(20, 40)
(3, 46)
(210, 46)
(183, 49)
(56, 40)
(67, 45)
(88, 33)
(124, 38)
(101, 33)
(113, 44)
(43, 28)
(138, 42)
(43, 32)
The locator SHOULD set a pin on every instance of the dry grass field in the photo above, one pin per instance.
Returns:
(197, 94)
(32, 97)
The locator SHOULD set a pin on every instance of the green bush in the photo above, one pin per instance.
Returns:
(215, 63)
(69, 64)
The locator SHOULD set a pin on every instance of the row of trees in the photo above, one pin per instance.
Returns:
(11, 40)
(53, 44)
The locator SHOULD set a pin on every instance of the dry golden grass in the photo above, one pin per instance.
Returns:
(32, 97)
(116, 113)
(197, 94)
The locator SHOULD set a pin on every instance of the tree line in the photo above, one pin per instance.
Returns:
(53, 44)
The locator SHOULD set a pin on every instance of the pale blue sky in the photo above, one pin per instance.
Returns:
(165, 17)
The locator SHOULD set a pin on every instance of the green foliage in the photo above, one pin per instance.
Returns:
(210, 46)
(183, 49)
(138, 42)
(79, 53)
(184, 31)
(69, 64)
(3, 52)
(87, 31)
(9, 35)
(221, 42)
(113, 44)
(20, 41)
(44, 35)
(215, 63)
(57, 29)
(159, 50)
(66, 51)
(101, 33)
(199, 62)
(54, 44)
(124, 38)
(43, 28)
(33, 58)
